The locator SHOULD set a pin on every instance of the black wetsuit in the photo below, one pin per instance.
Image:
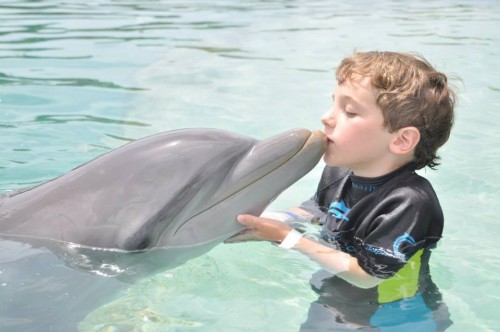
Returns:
(389, 224)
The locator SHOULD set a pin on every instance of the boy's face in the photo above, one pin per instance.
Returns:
(354, 126)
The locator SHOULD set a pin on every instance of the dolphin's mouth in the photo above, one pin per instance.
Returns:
(307, 144)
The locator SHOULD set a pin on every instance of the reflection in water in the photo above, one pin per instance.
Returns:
(80, 82)
(342, 307)
(41, 294)
(64, 118)
(74, 279)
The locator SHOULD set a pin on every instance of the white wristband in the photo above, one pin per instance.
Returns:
(291, 239)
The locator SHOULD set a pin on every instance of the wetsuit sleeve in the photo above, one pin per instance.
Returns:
(317, 204)
(404, 222)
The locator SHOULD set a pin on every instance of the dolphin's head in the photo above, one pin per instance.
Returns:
(241, 177)
(174, 189)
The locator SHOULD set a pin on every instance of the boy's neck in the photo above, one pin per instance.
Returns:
(382, 170)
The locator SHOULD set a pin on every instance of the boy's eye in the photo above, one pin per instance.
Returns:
(349, 114)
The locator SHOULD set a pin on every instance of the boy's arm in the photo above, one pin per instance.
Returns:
(336, 261)
(289, 216)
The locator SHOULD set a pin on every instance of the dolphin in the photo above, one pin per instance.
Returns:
(147, 206)
(175, 189)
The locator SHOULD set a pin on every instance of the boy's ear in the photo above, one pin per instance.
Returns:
(405, 140)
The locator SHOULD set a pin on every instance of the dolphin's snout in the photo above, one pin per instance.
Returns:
(270, 153)
(317, 137)
(252, 183)
(309, 138)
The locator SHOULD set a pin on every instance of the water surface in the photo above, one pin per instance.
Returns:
(79, 78)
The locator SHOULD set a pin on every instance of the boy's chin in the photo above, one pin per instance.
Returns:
(332, 162)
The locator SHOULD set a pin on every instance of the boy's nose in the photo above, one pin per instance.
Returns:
(328, 119)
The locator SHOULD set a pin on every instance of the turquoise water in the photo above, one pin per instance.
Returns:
(78, 78)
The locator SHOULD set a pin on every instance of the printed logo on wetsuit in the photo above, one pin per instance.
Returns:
(339, 210)
(396, 246)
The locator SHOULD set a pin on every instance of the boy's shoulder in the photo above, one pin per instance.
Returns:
(406, 183)
(410, 189)
(410, 182)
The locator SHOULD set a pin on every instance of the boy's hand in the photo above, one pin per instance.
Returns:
(259, 229)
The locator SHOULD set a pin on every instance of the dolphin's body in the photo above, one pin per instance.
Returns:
(148, 205)
(175, 189)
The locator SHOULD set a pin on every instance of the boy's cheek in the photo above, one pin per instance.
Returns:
(328, 158)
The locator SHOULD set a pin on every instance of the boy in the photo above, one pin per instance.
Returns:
(390, 114)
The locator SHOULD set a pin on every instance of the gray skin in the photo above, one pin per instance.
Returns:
(175, 189)
(166, 198)
(147, 206)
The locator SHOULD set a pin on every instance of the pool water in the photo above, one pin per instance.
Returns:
(78, 78)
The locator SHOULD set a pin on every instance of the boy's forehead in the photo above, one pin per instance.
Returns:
(357, 84)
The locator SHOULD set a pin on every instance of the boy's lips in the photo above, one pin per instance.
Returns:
(329, 139)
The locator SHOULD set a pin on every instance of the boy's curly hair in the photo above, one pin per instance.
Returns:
(410, 92)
